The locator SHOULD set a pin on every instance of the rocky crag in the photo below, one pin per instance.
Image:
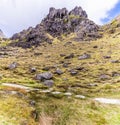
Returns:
(57, 23)
(2, 34)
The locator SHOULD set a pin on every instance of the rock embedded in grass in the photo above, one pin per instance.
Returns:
(33, 69)
(115, 61)
(69, 56)
(114, 74)
(107, 57)
(44, 76)
(59, 72)
(84, 56)
(80, 96)
(104, 77)
(13, 65)
(49, 83)
(73, 72)
(79, 68)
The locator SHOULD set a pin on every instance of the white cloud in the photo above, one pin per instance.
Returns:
(20, 14)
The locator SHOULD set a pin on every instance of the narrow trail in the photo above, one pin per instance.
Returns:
(108, 101)
(101, 100)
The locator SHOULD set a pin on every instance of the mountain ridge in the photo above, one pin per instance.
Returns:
(58, 22)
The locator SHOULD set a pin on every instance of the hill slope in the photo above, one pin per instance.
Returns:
(57, 83)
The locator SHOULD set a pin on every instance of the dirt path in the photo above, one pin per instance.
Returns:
(108, 101)
(101, 100)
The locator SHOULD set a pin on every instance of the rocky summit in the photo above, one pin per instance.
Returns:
(58, 22)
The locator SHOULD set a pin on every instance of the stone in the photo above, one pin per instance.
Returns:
(44, 76)
(13, 65)
(104, 77)
(33, 70)
(107, 57)
(46, 68)
(68, 94)
(80, 96)
(56, 93)
(59, 72)
(79, 68)
(69, 56)
(95, 46)
(65, 65)
(78, 11)
(115, 61)
(62, 55)
(49, 83)
(114, 74)
(73, 72)
(32, 103)
(84, 56)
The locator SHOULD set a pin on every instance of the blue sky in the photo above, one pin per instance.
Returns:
(16, 15)
(112, 13)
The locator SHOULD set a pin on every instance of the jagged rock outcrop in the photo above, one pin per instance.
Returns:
(56, 23)
(2, 34)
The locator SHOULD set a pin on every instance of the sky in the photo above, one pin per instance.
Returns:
(16, 15)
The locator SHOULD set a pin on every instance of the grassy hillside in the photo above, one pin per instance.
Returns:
(96, 76)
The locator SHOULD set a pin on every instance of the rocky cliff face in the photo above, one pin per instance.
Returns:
(56, 23)
(1, 34)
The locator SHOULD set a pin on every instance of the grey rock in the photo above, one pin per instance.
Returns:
(84, 56)
(79, 68)
(33, 70)
(13, 65)
(69, 56)
(56, 23)
(59, 72)
(46, 68)
(62, 55)
(32, 103)
(114, 74)
(66, 65)
(44, 76)
(107, 57)
(104, 77)
(115, 61)
(78, 11)
(95, 46)
(49, 83)
(80, 96)
(68, 94)
(73, 72)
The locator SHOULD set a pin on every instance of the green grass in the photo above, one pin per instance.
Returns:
(62, 110)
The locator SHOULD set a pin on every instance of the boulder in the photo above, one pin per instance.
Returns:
(44, 76)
